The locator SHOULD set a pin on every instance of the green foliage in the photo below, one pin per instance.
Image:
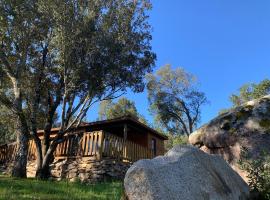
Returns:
(251, 91)
(13, 189)
(232, 131)
(174, 99)
(223, 111)
(7, 133)
(68, 55)
(104, 107)
(75, 49)
(265, 123)
(176, 140)
(258, 174)
(248, 92)
(123, 107)
(242, 114)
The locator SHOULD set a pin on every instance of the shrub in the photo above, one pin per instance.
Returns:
(176, 140)
(258, 174)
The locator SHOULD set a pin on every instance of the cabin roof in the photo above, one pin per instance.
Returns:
(121, 120)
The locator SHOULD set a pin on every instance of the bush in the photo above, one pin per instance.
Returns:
(176, 140)
(259, 174)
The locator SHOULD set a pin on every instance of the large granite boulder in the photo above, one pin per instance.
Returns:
(185, 172)
(245, 127)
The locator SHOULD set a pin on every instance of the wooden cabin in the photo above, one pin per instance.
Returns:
(123, 138)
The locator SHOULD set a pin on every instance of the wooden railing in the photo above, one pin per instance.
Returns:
(87, 144)
(117, 147)
(32, 150)
(97, 144)
(7, 152)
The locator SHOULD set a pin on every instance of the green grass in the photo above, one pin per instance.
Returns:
(21, 189)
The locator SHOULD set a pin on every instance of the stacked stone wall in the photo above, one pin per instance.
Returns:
(84, 169)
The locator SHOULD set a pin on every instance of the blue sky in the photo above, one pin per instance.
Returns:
(225, 43)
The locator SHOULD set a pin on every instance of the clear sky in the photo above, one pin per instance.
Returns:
(225, 43)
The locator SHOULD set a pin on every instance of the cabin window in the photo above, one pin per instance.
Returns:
(154, 146)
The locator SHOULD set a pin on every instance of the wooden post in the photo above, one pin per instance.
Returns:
(125, 139)
(125, 132)
(100, 144)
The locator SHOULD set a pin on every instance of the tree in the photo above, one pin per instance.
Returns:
(104, 107)
(6, 126)
(7, 129)
(73, 54)
(14, 44)
(174, 140)
(174, 99)
(250, 91)
(123, 107)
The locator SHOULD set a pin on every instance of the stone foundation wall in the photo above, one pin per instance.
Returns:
(84, 169)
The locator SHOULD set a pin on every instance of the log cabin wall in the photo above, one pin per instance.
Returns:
(138, 138)
(159, 144)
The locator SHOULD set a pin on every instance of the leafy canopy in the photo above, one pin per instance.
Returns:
(174, 99)
(86, 50)
(68, 55)
(123, 107)
(250, 91)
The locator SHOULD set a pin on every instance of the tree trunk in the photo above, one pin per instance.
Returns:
(47, 132)
(20, 160)
(44, 171)
(46, 150)
(39, 153)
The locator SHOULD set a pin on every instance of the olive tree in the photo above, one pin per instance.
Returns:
(77, 53)
(21, 30)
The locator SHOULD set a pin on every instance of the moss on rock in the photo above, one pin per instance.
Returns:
(244, 112)
(232, 131)
(265, 123)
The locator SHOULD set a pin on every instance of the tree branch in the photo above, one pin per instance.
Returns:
(7, 67)
(180, 120)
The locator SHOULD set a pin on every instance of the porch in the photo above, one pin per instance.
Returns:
(97, 144)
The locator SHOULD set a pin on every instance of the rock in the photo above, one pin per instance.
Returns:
(244, 127)
(71, 174)
(185, 172)
(73, 180)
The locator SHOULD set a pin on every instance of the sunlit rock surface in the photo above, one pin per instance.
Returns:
(185, 172)
(245, 127)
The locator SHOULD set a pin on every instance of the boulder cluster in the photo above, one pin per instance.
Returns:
(190, 172)
(244, 128)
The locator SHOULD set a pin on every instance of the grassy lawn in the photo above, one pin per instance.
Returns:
(21, 189)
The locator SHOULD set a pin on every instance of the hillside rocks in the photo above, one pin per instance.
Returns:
(245, 127)
(184, 173)
(85, 169)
